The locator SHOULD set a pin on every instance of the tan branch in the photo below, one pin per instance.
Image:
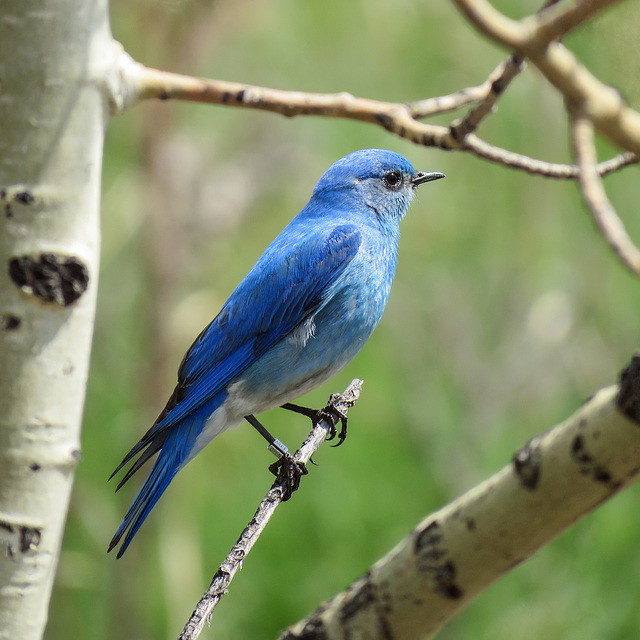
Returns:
(584, 93)
(340, 403)
(497, 82)
(428, 107)
(555, 20)
(456, 553)
(595, 196)
(560, 171)
(137, 82)
(494, 24)
(488, 91)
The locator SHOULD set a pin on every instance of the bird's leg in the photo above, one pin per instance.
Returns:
(278, 448)
(330, 413)
(287, 470)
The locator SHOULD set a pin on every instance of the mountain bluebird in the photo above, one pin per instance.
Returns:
(300, 315)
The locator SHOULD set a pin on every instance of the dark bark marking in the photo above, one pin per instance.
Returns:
(364, 595)
(50, 277)
(579, 453)
(432, 557)
(527, 463)
(313, 630)
(29, 537)
(25, 197)
(9, 322)
(384, 120)
(6, 526)
(628, 399)
(587, 465)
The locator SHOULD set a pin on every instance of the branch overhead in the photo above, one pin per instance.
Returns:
(534, 38)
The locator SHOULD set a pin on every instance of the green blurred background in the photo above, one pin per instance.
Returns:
(506, 312)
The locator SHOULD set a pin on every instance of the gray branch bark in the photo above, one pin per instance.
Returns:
(456, 553)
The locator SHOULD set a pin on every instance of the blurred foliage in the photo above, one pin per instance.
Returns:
(507, 310)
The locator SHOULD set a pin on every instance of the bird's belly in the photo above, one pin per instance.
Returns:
(308, 357)
(289, 370)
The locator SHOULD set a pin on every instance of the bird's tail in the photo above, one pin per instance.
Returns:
(174, 453)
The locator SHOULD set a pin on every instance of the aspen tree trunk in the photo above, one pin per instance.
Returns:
(53, 56)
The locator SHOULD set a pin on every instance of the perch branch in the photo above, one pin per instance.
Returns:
(222, 579)
(595, 196)
(457, 552)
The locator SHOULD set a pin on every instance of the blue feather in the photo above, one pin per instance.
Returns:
(301, 314)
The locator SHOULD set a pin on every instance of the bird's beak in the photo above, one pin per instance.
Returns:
(421, 177)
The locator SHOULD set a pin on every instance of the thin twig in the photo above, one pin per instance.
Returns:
(340, 403)
(533, 38)
(595, 196)
(493, 86)
(560, 171)
(428, 107)
(498, 81)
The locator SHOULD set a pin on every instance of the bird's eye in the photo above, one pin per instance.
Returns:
(392, 180)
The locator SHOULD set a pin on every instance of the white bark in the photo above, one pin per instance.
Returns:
(53, 56)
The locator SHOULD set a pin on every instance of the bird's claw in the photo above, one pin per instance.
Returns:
(330, 413)
(288, 473)
(333, 414)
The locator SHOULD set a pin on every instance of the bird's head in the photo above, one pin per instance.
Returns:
(381, 180)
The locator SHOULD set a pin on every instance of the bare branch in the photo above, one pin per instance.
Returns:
(491, 88)
(616, 163)
(494, 24)
(497, 82)
(456, 553)
(550, 23)
(559, 171)
(139, 82)
(553, 21)
(443, 104)
(595, 196)
(587, 95)
(340, 403)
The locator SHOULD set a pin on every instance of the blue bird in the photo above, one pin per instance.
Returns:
(300, 315)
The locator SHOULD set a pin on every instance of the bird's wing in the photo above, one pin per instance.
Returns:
(284, 288)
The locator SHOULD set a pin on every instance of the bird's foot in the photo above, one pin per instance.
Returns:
(330, 413)
(288, 472)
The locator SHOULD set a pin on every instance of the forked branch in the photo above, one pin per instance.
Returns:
(403, 119)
